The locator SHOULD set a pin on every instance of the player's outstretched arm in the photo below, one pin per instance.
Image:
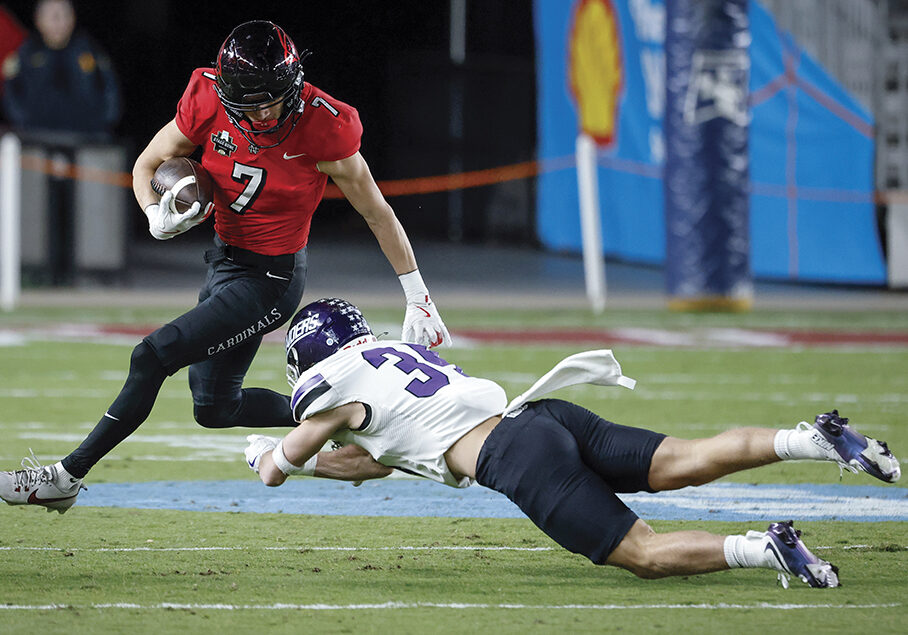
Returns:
(354, 179)
(296, 452)
(422, 322)
(349, 463)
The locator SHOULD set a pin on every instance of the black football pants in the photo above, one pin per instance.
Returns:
(245, 296)
(562, 465)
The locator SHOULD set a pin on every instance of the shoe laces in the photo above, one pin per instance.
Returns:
(846, 466)
(33, 473)
(783, 579)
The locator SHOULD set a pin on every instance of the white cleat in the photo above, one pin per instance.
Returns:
(37, 484)
(790, 557)
(852, 450)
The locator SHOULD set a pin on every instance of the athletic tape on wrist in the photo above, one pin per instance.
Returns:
(288, 468)
(413, 284)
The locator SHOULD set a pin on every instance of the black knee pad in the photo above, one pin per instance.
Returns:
(215, 415)
(206, 416)
(146, 374)
(145, 365)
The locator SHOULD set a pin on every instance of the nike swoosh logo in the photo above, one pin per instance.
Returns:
(428, 315)
(34, 500)
(294, 156)
(251, 463)
(271, 275)
(771, 548)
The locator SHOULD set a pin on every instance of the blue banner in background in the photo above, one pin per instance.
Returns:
(625, 92)
(812, 152)
(601, 69)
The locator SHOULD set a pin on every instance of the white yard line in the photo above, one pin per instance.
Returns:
(437, 605)
(297, 548)
(303, 548)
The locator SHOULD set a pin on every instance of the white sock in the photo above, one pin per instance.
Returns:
(747, 551)
(64, 479)
(801, 443)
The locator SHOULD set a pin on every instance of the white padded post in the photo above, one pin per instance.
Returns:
(10, 202)
(590, 224)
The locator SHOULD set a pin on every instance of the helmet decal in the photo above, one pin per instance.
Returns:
(289, 48)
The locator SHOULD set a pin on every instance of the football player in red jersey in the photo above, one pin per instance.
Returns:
(270, 141)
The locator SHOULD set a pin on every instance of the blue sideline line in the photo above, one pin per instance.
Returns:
(719, 501)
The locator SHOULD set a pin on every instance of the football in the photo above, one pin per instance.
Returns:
(189, 181)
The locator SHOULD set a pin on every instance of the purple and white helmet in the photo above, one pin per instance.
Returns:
(319, 330)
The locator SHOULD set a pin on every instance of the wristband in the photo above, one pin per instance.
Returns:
(288, 468)
(413, 284)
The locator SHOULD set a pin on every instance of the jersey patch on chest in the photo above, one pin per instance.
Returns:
(223, 143)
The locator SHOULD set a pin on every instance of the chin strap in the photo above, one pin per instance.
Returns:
(250, 135)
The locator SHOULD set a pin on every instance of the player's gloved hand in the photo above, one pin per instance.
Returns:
(422, 323)
(164, 223)
(258, 445)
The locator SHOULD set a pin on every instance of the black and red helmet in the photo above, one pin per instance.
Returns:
(258, 66)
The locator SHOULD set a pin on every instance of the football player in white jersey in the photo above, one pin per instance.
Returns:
(393, 405)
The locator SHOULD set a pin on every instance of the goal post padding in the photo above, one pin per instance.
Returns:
(706, 167)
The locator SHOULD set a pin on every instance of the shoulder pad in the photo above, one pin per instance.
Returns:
(306, 392)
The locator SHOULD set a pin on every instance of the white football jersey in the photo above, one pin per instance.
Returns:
(417, 404)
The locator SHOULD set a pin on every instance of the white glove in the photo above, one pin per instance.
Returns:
(258, 445)
(165, 223)
(422, 323)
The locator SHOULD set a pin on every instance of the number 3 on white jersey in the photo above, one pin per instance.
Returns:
(254, 179)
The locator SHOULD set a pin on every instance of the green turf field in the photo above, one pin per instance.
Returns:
(119, 570)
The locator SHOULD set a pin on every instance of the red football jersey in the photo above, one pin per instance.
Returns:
(264, 200)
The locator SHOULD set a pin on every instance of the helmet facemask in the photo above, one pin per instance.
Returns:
(293, 366)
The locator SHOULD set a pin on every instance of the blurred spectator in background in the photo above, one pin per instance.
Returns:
(61, 94)
(60, 80)
(11, 36)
